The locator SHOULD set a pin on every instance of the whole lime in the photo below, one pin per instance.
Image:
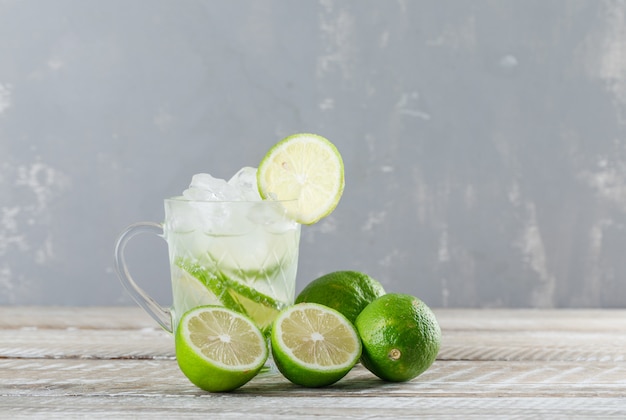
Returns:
(400, 335)
(345, 291)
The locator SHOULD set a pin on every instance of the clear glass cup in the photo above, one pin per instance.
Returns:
(239, 254)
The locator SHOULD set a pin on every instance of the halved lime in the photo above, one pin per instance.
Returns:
(219, 349)
(306, 168)
(314, 345)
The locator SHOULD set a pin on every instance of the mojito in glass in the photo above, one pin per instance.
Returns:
(231, 250)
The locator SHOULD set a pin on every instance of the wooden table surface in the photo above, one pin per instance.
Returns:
(115, 363)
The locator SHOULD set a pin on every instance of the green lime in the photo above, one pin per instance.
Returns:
(219, 349)
(314, 345)
(400, 335)
(305, 168)
(345, 291)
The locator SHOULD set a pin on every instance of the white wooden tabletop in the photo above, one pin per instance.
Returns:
(59, 362)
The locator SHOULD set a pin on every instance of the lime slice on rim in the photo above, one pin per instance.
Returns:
(306, 168)
(219, 349)
(314, 345)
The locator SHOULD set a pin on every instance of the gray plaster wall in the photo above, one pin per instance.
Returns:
(484, 141)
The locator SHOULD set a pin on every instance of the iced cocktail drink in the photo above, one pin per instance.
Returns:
(227, 247)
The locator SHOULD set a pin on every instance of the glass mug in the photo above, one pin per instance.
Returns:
(242, 255)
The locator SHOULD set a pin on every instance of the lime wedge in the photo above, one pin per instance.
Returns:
(189, 292)
(307, 169)
(236, 295)
(314, 345)
(260, 312)
(218, 349)
(214, 282)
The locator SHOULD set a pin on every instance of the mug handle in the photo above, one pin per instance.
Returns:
(160, 314)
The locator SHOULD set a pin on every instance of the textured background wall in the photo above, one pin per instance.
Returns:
(484, 141)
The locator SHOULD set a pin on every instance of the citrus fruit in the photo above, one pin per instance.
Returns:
(314, 345)
(345, 291)
(305, 168)
(219, 349)
(400, 335)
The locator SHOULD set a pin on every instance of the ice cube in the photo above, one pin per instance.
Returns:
(245, 183)
(205, 187)
(272, 216)
(180, 219)
(194, 216)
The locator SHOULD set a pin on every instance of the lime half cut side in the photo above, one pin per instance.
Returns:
(305, 168)
(314, 345)
(219, 349)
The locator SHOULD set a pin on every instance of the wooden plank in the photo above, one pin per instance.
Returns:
(61, 317)
(533, 346)
(286, 407)
(118, 388)
(64, 377)
(74, 343)
(533, 335)
(510, 320)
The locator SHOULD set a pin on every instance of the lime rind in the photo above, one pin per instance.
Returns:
(306, 168)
